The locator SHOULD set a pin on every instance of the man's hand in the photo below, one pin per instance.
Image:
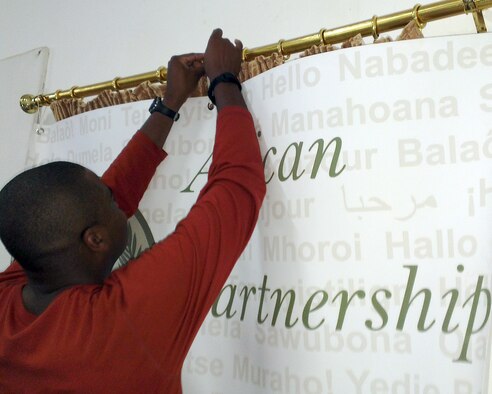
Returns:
(183, 73)
(222, 56)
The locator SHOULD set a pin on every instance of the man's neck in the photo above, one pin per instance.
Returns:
(42, 289)
(36, 301)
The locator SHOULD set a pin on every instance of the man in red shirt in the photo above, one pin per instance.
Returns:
(70, 325)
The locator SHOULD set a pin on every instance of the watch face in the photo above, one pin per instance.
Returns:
(154, 105)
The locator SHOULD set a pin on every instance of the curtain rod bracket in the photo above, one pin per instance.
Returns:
(479, 22)
(471, 6)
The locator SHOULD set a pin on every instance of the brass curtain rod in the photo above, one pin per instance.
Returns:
(421, 14)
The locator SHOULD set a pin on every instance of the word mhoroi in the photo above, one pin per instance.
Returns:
(284, 312)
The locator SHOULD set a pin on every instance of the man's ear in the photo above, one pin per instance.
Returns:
(96, 238)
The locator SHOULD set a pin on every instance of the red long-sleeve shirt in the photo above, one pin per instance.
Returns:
(131, 334)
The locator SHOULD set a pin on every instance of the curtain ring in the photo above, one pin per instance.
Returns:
(244, 54)
(280, 50)
(321, 36)
(375, 32)
(114, 83)
(72, 92)
(416, 17)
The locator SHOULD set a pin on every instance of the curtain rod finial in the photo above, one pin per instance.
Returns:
(29, 104)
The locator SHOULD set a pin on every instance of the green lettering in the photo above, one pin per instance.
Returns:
(320, 153)
(227, 310)
(307, 309)
(344, 303)
(278, 303)
(200, 172)
(295, 164)
(274, 150)
(473, 314)
(408, 299)
(379, 309)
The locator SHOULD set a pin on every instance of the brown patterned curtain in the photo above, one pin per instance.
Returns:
(68, 107)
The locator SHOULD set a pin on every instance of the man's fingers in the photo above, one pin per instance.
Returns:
(189, 58)
(192, 55)
(197, 66)
(217, 33)
(239, 44)
(198, 70)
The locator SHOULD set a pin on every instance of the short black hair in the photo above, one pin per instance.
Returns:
(44, 210)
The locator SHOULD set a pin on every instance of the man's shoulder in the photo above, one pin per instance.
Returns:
(13, 274)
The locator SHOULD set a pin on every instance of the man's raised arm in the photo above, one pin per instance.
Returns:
(130, 173)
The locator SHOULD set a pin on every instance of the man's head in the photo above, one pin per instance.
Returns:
(57, 212)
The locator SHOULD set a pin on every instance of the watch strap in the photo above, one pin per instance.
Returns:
(225, 77)
(158, 106)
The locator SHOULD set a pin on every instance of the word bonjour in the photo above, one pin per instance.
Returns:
(225, 305)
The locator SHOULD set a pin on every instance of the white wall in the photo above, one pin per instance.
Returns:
(94, 40)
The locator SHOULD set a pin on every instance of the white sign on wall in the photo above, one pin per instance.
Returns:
(370, 267)
(18, 75)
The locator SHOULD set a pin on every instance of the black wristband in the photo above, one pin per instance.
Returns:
(225, 77)
(158, 106)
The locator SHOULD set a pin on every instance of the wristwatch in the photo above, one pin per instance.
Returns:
(158, 106)
(225, 77)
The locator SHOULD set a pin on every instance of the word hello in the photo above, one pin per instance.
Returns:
(297, 78)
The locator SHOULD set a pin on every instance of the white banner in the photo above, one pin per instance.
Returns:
(370, 267)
